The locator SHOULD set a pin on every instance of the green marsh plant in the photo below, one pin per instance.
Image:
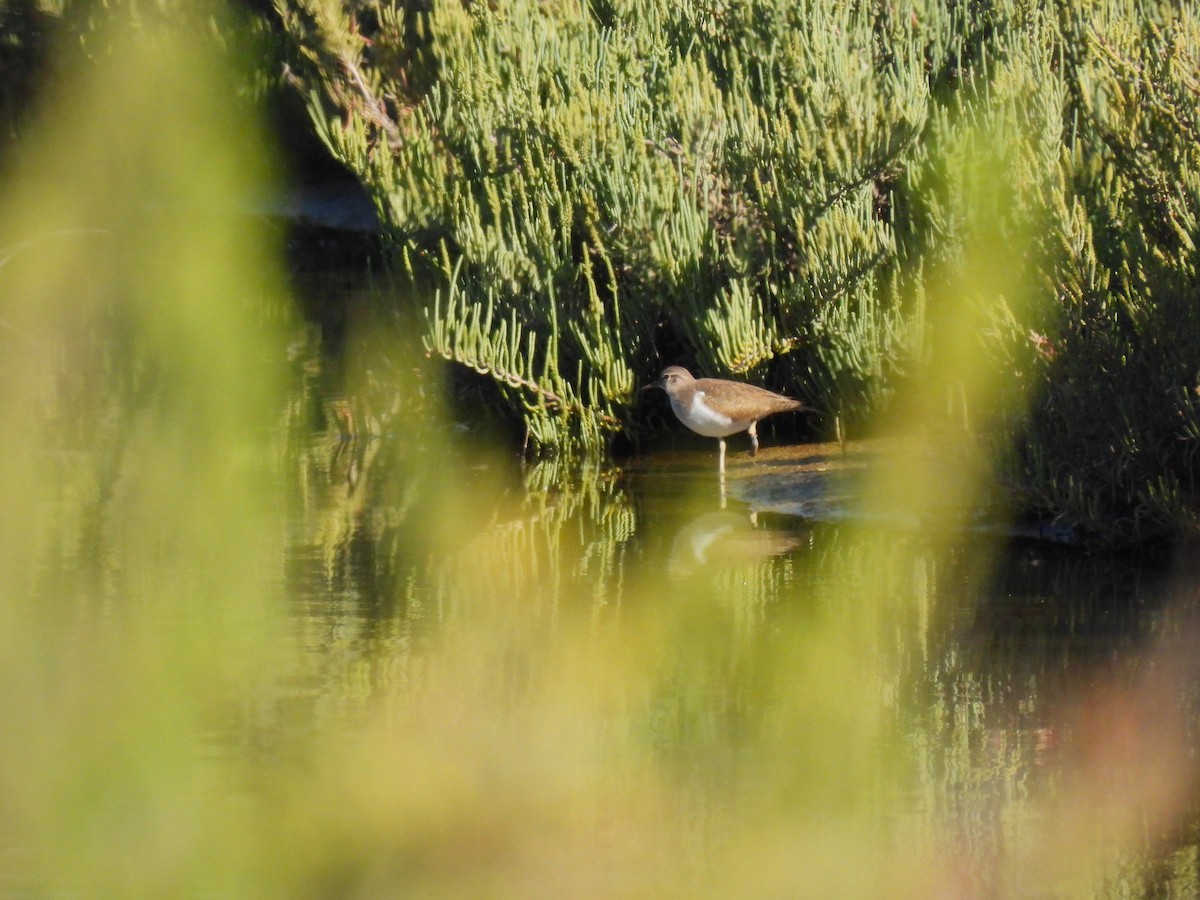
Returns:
(605, 186)
(754, 190)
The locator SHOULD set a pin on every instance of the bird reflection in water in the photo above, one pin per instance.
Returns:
(726, 539)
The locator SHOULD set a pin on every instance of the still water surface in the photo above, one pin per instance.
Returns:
(360, 649)
(728, 696)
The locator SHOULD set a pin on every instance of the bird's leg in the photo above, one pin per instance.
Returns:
(721, 477)
(753, 438)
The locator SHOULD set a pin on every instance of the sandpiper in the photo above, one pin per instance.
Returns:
(717, 408)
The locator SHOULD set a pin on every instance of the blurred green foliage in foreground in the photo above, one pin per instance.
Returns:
(542, 717)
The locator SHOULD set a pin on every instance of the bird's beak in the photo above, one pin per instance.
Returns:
(657, 383)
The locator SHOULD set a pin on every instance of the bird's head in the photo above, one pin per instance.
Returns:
(671, 380)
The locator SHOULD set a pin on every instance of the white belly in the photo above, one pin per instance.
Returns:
(705, 421)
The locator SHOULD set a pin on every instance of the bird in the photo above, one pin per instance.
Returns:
(718, 408)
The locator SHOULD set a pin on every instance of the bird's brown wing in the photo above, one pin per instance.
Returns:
(741, 401)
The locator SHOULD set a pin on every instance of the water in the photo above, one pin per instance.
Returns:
(338, 639)
(744, 699)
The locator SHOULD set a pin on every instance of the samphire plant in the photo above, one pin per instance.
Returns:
(770, 190)
(606, 186)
